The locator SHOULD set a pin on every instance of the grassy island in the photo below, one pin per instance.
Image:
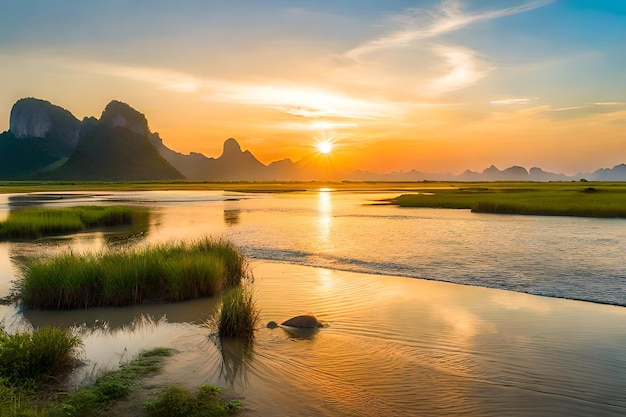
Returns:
(38, 222)
(548, 199)
(164, 273)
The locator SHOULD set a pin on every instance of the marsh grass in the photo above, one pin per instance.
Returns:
(559, 199)
(178, 401)
(94, 399)
(166, 272)
(32, 358)
(36, 223)
(239, 314)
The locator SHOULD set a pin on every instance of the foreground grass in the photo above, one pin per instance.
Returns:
(550, 199)
(30, 360)
(33, 358)
(91, 401)
(166, 273)
(94, 400)
(179, 402)
(39, 222)
(239, 314)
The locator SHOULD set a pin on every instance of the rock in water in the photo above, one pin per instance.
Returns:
(307, 321)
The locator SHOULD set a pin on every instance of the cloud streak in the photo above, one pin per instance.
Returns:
(463, 69)
(299, 100)
(420, 24)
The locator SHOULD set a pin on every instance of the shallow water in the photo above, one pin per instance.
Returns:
(395, 346)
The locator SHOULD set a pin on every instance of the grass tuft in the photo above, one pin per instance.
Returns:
(31, 358)
(167, 272)
(239, 314)
(177, 401)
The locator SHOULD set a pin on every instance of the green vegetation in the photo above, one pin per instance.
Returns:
(36, 223)
(239, 315)
(29, 360)
(95, 399)
(32, 357)
(167, 272)
(583, 199)
(86, 402)
(179, 402)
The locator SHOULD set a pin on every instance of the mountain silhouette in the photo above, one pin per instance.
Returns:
(232, 165)
(114, 148)
(40, 135)
(45, 141)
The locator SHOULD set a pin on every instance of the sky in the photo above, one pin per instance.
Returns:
(437, 86)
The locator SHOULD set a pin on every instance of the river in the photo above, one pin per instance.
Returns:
(401, 341)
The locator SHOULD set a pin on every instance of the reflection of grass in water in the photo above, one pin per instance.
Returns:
(165, 272)
(35, 223)
(235, 356)
(561, 199)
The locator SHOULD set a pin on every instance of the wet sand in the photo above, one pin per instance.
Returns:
(407, 347)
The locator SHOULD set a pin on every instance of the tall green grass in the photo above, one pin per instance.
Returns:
(36, 223)
(166, 272)
(29, 358)
(239, 314)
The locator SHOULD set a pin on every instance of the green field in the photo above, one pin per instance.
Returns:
(38, 222)
(582, 199)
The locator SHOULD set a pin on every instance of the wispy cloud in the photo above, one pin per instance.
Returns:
(583, 110)
(418, 24)
(462, 69)
(299, 100)
(512, 101)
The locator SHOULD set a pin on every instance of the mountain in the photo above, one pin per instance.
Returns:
(114, 148)
(232, 165)
(40, 135)
(617, 173)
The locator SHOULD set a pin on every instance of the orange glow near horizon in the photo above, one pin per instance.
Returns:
(436, 88)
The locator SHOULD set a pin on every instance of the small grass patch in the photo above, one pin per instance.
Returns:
(40, 222)
(239, 314)
(95, 399)
(167, 272)
(29, 361)
(32, 358)
(180, 402)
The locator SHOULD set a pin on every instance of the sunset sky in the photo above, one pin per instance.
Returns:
(437, 86)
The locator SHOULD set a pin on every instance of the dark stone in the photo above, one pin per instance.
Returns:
(307, 321)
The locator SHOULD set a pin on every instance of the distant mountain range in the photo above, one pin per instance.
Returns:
(46, 142)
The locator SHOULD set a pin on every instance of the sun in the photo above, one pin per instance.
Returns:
(324, 146)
